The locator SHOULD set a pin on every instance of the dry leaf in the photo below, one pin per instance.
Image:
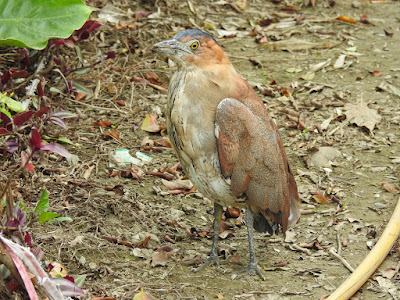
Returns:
(362, 115)
(389, 187)
(160, 258)
(177, 184)
(113, 134)
(321, 198)
(150, 124)
(347, 19)
(104, 124)
(141, 296)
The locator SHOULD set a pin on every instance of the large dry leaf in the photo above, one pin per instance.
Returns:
(362, 115)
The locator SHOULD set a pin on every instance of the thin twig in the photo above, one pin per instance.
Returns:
(332, 251)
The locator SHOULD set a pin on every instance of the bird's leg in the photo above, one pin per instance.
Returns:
(252, 267)
(213, 258)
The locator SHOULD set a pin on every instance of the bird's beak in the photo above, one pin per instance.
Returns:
(173, 47)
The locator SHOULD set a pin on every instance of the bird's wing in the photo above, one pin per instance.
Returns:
(251, 154)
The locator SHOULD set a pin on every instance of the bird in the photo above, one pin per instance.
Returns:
(226, 141)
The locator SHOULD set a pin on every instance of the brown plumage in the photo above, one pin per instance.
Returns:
(228, 144)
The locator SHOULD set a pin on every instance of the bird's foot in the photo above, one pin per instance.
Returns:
(250, 270)
(213, 259)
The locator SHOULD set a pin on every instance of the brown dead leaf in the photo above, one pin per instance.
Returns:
(117, 189)
(376, 73)
(389, 187)
(80, 96)
(140, 80)
(361, 115)
(113, 134)
(153, 78)
(160, 258)
(120, 102)
(364, 20)
(347, 19)
(150, 124)
(105, 124)
(321, 198)
(164, 142)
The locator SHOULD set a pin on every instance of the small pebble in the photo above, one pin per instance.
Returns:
(356, 4)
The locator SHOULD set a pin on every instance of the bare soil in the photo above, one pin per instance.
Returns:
(300, 267)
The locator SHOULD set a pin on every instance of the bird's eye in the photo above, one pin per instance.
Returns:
(194, 45)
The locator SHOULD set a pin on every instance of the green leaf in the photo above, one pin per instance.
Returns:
(31, 23)
(60, 219)
(43, 204)
(62, 139)
(11, 103)
(6, 112)
(81, 89)
(47, 215)
(79, 280)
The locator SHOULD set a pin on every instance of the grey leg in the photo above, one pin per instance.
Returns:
(214, 253)
(252, 267)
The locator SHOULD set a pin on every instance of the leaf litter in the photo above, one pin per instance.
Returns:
(319, 97)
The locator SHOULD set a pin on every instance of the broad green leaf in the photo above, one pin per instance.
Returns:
(11, 103)
(47, 215)
(43, 204)
(60, 219)
(31, 23)
(6, 112)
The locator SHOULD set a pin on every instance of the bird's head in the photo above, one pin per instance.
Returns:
(194, 47)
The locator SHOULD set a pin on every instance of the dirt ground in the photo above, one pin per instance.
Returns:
(295, 62)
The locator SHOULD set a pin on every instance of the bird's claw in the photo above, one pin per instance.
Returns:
(213, 259)
(251, 268)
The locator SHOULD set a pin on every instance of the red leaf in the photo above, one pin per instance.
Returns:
(3, 131)
(6, 121)
(42, 111)
(20, 119)
(35, 140)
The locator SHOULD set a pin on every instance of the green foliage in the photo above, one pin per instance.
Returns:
(11, 104)
(42, 210)
(31, 23)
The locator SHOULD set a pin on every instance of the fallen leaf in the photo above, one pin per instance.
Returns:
(160, 258)
(105, 124)
(113, 134)
(150, 124)
(290, 236)
(178, 184)
(364, 20)
(141, 296)
(389, 187)
(140, 80)
(79, 96)
(57, 269)
(376, 73)
(347, 19)
(321, 198)
(362, 115)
